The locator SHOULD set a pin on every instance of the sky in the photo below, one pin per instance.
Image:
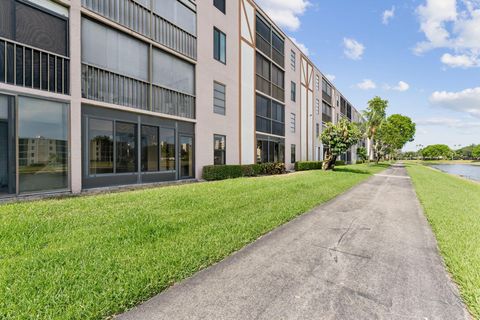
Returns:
(423, 56)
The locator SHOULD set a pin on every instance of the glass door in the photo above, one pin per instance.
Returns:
(186, 157)
(7, 146)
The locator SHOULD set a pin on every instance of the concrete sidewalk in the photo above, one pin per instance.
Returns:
(368, 254)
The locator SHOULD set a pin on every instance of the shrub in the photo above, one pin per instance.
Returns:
(308, 165)
(222, 172)
(340, 163)
(360, 162)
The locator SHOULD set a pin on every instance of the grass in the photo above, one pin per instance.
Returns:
(91, 257)
(452, 206)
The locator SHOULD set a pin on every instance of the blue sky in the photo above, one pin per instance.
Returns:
(423, 56)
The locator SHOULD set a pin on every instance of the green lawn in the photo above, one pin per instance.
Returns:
(94, 256)
(452, 206)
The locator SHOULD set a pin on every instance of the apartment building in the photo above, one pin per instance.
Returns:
(98, 93)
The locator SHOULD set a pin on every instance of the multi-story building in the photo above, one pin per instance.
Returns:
(96, 93)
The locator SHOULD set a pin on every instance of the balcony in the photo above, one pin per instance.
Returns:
(30, 67)
(106, 86)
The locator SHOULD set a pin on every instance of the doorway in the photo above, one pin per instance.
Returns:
(186, 157)
(7, 149)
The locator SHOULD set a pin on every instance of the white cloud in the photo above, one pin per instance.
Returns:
(301, 46)
(453, 25)
(285, 13)
(366, 84)
(467, 101)
(460, 61)
(353, 49)
(388, 15)
(448, 122)
(401, 86)
(330, 77)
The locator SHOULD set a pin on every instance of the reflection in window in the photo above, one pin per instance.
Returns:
(126, 140)
(219, 149)
(270, 149)
(42, 145)
(219, 45)
(101, 146)
(167, 145)
(149, 149)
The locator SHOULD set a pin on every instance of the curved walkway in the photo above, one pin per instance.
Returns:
(368, 254)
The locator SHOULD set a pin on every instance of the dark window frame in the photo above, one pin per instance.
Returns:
(215, 106)
(293, 91)
(222, 152)
(217, 52)
(221, 5)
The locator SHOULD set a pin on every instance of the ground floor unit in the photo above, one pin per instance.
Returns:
(114, 146)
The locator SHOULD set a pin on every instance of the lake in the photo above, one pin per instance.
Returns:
(468, 171)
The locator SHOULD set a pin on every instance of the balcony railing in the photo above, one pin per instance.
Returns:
(327, 97)
(137, 18)
(30, 67)
(170, 35)
(278, 57)
(173, 103)
(106, 86)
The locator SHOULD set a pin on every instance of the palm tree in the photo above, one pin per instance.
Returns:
(375, 114)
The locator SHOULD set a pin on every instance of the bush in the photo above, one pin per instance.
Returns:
(222, 172)
(308, 165)
(340, 163)
(360, 162)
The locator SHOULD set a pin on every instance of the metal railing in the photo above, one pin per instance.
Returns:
(106, 86)
(144, 21)
(172, 102)
(30, 67)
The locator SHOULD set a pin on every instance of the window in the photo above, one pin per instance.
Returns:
(100, 146)
(293, 122)
(326, 87)
(270, 149)
(150, 152)
(219, 98)
(293, 153)
(173, 73)
(270, 117)
(219, 45)
(317, 106)
(317, 130)
(126, 147)
(327, 112)
(219, 148)
(167, 149)
(293, 59)
(293, 91)
(317, 82)
(114, 51)
(42, 124)
(220, 5)
(177, 13)
(27, 24)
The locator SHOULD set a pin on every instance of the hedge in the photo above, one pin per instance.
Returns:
(313, 165)
(222, 172)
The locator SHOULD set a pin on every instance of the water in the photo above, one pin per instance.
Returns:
(468, 171)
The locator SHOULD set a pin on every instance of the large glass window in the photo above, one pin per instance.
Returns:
(173, 73)
(126, 147)
(219, 149)
(100, 146)
(219, 46)
(186, 157)
(42, 144)
(167, 145)
(270, 116)
(114, 51)
(150, 150)
(293, 156)
(219, 98)
(270, 149)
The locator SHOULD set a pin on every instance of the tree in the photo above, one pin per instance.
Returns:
(375, 115)
(337, 139)
(436, 151)
(362, 153)
(394, 133)
(476, 151)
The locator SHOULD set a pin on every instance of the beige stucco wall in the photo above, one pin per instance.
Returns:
(209, 70)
